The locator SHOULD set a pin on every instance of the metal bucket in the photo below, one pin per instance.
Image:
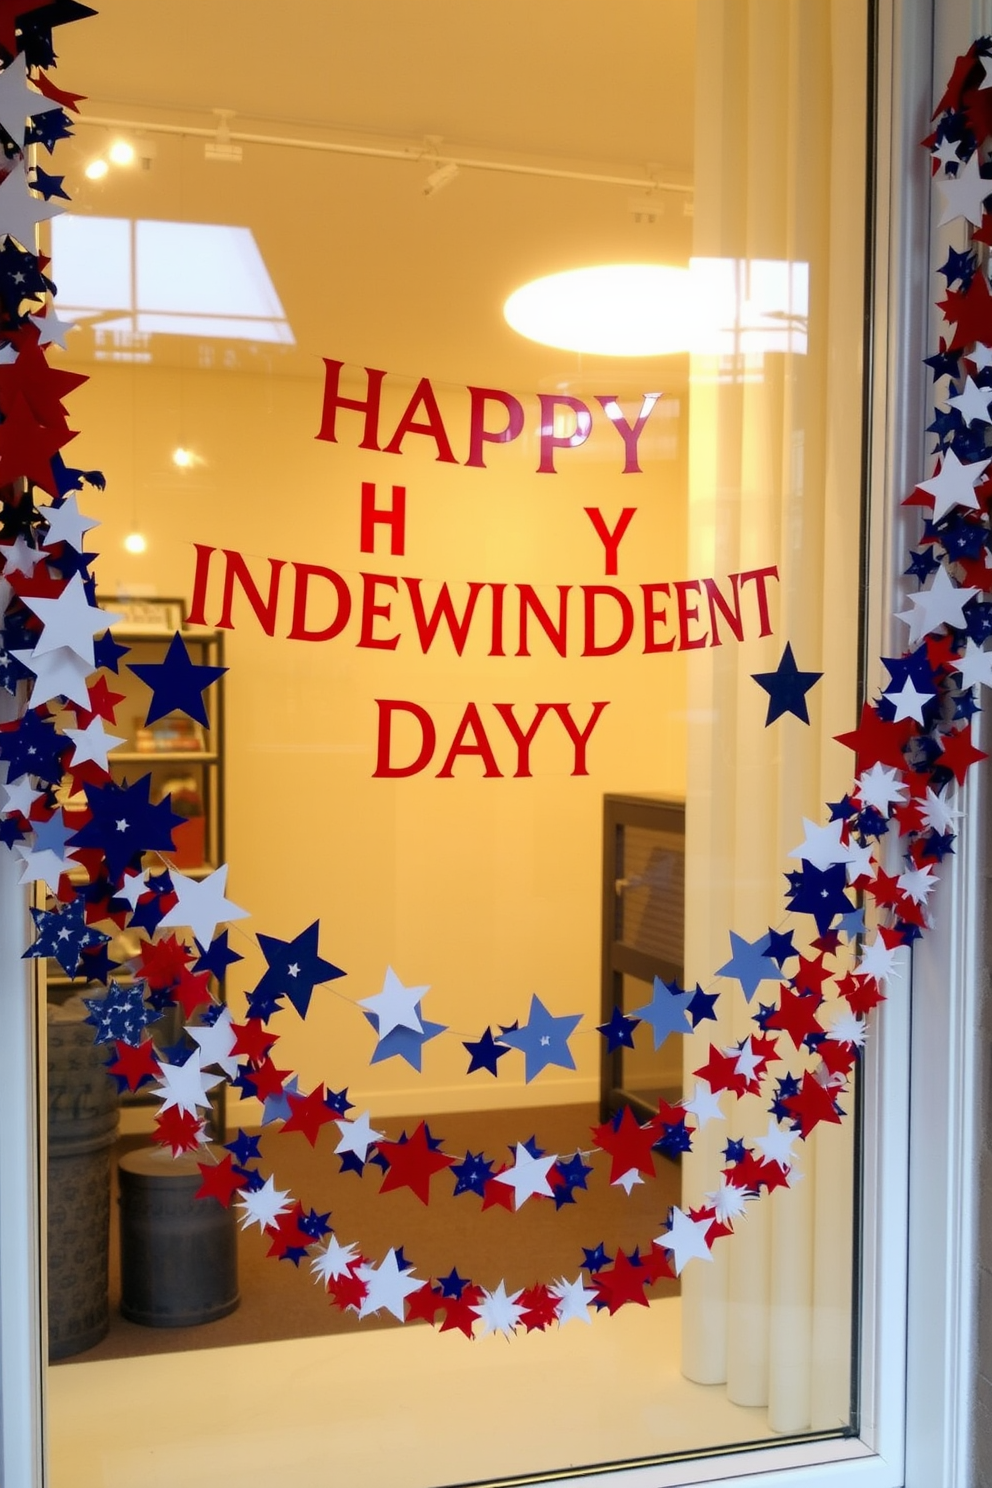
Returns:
(179, 1263)
(82, 1125)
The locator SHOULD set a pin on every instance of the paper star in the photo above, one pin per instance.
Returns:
(66, 523)
(543, 1039)
(357, 1137)
(263, 1206)
(63, 934)
(294, 967)
(573, 1299)
(185, 1085)
(975, 666)
(702, 1005)
(216, 1042)
(19, 795)
(92, 743)
(748, 964)
(57, 674)
(388, 1286)
(20, 209)
(201, 904)
(704, 1105)
(787, 687)
(217, 957)
(45, 859)
(177, 683)
(878, 961)
(20, 557)
(413, 1163)
(937, 814)
(881, 788)
(813, 1104)
(405, 1043)
(124, 824)
(972, 403)
(619, 1031)
(395, 1006)
(18, 102)
(908, 702)
(942, 604)
(51, 330)
(954, 485)
(686, 1240)
(334, 1260)
(528, 1176)
(822, 846)
(965, 193)
(667, 1011)
(485, 1053)
(497, 1312)
(777, 1145)
(120, 1016)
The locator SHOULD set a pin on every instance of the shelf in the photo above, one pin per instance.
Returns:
(163, 757)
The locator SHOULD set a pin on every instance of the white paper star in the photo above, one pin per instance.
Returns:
(941, 604)
(216, 1041)
(729, 1202)
(20, 557)
(70, 621)
(881, 787)
(981, 357)
(573, 1299)
(777, 1145)
(954, 484)
(45, 866)
(529, 1175)
(686, 1240)
(51, 330)
(18, 102)
(822, 845)
(497, 1312)
(964, 193)
(18, 795)
(859, 863)
(878, 961)
(626, 1181)
(746, 1059)
(20, 209)
(975, 666)
(263, 1206)
(388, 1287)
(66, 523)
(201, 905)
(946, 152)
(847, 1028)
(972, 402)
(57, 674)
(395, 1006)
(938, 815)
(357, 1136)
(185, 1086)
(908, 703)
(918, 883)
(333, 1260)
(92, 743)
(705, 1106)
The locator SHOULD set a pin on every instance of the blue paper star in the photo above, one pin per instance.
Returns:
(404, 1043)
(852, 924)
(124, 824)
(218, 957)
(120, 1016)
(922, 565)
(780, 947)
(295, 968)
(666, 1012)
(315, 1225)
(786, 687)
(594, 1260)
(702, 1005)
(63, 934)
(819, 892)
(276, 1107)
(619, 1031)
(107, 653)
(543, 1039)
(453, 1285)
(244, 1148)
(33, 746)
(574, 1172)
(472, 1174)
(177, 683)
(485, 1053)
(749, 964)
(338, 1102)
(49, 186)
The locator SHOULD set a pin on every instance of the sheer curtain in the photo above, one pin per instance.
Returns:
(774, 477)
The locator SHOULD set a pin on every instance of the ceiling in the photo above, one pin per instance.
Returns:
(367, 267)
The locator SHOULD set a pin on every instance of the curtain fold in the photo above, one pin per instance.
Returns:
(774, 477)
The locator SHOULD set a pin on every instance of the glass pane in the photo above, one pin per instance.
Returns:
(536, 651)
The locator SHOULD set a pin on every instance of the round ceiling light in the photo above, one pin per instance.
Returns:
(609, 310)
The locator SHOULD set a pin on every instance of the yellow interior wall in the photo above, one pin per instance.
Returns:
(485, 890)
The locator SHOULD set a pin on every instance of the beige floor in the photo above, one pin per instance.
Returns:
(404, 1409)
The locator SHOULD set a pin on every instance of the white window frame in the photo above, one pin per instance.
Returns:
(919, 1299)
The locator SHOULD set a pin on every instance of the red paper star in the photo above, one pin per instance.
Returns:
(40, 385)
(179, 1130)
(629, 1145)
(287, 1235)
(620, 1283)
(135, 1063)
(347, 1290)
(970, 311)
(191, 991)
(309, 1114)
(413, 1163)
(267, 1080)
(813, 1104)
(424, 1305)
(253, 1040)
(60, 96)
(103, 703)
(220, 1181)
(861, 993)
(720, 1072)
(876, 742)
(458, 1311)
(162, 962)
(27, 447)
(498, 1195)
(811, 975)
(539, 1308)
(959, 753)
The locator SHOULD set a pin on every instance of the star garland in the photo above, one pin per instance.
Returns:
(912, 747)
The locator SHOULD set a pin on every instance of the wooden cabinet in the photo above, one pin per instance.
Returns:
(643, 938)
